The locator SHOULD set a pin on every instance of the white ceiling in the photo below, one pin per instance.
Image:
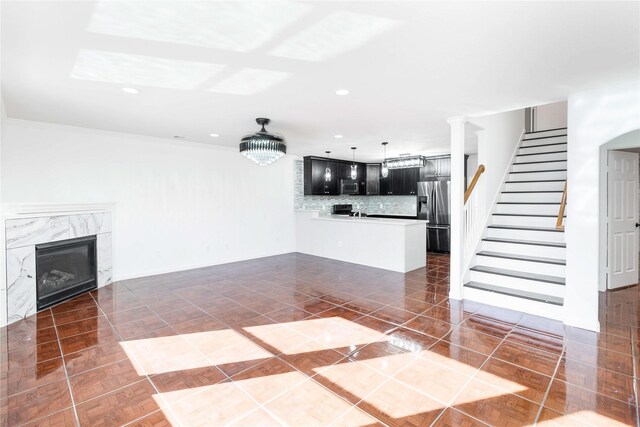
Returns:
(212, 67)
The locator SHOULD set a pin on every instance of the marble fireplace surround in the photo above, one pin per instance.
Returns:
(29, 225)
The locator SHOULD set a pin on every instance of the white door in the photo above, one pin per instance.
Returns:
(622, 207)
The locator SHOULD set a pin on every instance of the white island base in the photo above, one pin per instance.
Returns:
(392, 244)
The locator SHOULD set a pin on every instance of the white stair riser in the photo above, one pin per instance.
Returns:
(543, 141)
(545, 133)
(531, 197)
(542, 149)
(542, 157)
(519, 265)
(537, 176)
(539, 166)
(517, 283)
(505, 301)
(525, 221)
(551, 209)
(532, 235)
(522, 249)
(535, 186)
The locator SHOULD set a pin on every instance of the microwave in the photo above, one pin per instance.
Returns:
(348, 186)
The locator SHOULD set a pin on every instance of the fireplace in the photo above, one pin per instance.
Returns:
(64, 269)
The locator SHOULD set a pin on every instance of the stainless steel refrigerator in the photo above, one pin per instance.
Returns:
(433, 205)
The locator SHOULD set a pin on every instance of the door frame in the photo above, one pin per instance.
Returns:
(627, 140)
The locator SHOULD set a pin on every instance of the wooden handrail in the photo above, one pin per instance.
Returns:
(563, 202)
(474, 181)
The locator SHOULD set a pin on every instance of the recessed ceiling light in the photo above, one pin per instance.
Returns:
(337, 136)
(214, 135)
(130, 90)
(342, 92)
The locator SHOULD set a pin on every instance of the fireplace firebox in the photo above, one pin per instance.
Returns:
(64, 269)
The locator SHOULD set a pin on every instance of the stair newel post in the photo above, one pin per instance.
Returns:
(457, 206)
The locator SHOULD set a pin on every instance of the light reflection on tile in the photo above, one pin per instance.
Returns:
(165, 354)
(309, 404)
(219, 404)
(226, 346)
(333, 332)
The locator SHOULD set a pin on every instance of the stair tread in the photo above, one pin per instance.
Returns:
(522, 227)
(520, 274)
(529, 203)
(545, 137)
(518, 257)
(539, 180)
(540, 171)
(550, 299)
(545, 130)
(533, 215)
(525, 242)
(544, 152)
(536, 191)
(538, 162)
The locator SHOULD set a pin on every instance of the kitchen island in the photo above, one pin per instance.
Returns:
(388, 243)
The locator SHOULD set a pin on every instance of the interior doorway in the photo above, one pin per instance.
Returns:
(622, 218)
(620, 212)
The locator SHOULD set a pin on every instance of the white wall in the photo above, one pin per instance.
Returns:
(472, 166)
(551, 116)
(497, 142)
(594, 118)
(179, 204)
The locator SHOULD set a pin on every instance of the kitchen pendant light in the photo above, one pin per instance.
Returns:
(354, 167)
(263, 147)
(384, 171)
(327, 171)
(407, 162)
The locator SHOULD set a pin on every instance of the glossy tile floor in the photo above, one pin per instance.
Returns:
(304, 341)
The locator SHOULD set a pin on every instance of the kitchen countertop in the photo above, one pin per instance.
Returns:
(367, 220)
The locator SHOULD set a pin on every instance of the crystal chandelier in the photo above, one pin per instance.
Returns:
(354, 167)
(406, 162)
(263, 147)
(385, 168)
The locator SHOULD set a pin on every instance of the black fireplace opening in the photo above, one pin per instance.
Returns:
(64, 269)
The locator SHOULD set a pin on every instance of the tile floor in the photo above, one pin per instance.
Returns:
(304, 341)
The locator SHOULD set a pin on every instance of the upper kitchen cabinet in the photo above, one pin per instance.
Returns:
(410, 181)
(400, 182)
(315, 182)
(373, 179)
(443, 166)
(439, 166)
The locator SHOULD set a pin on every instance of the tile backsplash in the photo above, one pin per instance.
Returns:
(397, 205)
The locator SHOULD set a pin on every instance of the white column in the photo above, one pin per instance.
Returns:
(457, 204)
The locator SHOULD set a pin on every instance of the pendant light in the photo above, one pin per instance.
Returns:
(263, 147)
(354, 167)
(327, 171)
(384, 171)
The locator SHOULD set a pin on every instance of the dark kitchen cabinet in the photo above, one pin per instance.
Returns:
(315, 183)
(386, 185)
(373, 180)
(400, 182)
(443, 166)
(410, 181)
(397, 181)
(439, 166)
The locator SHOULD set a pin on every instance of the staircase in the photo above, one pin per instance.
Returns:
(521, 260)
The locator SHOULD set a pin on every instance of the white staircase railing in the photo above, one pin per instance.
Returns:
(472, 224)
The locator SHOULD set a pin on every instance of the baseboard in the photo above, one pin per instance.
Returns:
(583, 324)
(194, 266)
